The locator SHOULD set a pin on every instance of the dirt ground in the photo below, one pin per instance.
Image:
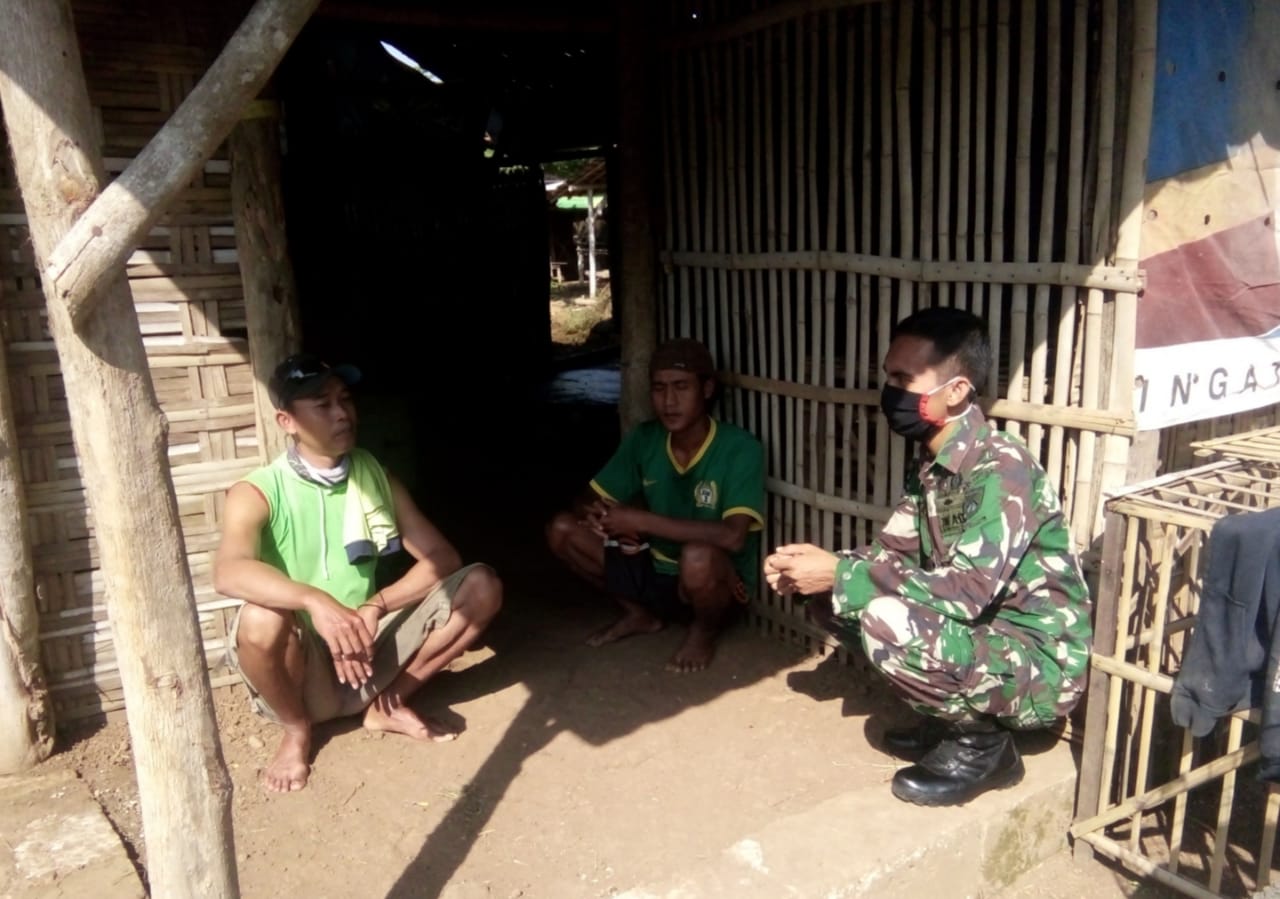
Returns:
(579, 323)
(580, 772)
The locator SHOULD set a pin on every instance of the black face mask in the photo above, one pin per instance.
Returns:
(902, 408)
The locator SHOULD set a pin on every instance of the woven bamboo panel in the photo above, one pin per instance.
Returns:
(1176, 808)
(140, 61)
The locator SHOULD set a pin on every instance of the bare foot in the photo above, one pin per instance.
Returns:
(696, 651)
(289, 770)
(403, 720)
(633, 622)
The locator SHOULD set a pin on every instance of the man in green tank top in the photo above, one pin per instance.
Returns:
(670, 527)
(315, 638)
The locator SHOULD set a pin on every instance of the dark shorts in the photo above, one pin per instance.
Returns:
(631, 575)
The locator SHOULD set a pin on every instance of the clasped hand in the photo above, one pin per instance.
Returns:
(612, 520)
(800, 568)
(349, 635)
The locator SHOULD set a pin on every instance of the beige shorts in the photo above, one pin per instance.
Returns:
(400, 635)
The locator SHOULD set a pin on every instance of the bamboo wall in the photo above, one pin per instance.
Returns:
(140, 61)
(832, 167)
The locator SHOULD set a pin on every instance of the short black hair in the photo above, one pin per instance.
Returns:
(959, 340)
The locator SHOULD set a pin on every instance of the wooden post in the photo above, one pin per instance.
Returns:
(270, 291)
(26, 714)
(636, 278)
(591, 243)
(120, 439)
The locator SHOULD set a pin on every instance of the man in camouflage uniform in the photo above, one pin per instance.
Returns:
(971, 600)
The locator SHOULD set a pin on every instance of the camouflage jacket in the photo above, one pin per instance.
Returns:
(979, 537)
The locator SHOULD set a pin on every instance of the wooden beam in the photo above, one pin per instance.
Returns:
(270, 290)
(26, 714)
(1103, 277)
(119, 433)
(111, 227)
(532, 22)
(637, 277)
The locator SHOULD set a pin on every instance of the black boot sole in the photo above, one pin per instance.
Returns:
(1001, 781)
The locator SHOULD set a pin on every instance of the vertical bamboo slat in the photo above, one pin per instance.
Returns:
(1037, 387)
(999, 178)
(886, 443)
(1063, 376)
(964, 140)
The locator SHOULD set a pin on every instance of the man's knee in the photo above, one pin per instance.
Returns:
(480, 594)
(263, 629)
(560, 530)
(885, 628)
(701, 563)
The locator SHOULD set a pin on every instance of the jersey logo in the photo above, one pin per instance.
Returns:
(705, 495)
(647, 482)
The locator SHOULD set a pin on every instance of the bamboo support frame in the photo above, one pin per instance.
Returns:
(780, 233)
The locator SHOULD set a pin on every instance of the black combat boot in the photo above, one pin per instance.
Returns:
(912, 742)
(974, 757)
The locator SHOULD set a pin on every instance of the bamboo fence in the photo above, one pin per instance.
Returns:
(832, 167)
(1167, 805)
(140, 62)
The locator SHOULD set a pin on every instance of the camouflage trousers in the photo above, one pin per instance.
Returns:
(958, 671)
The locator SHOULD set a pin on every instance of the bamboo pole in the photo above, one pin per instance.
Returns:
(760, 125)
(1099, 421)
(262, 250)
(808, 317)
(1017, 386)
(717, 283)
(1147, 867)
(999, 178)
(928, 156)
(887, 443)
(1116, 451)
(1123, 607)
(787, 132)
(667, 324)
(1037, 386)
(1225, 799)
(1268, 849)
(866, 365)
(964, 129)
(828, 297)
(678, 128)
(906, 189)
(1091, 396)
(849, 444)
(1159, 613)
(1206, 773)
(1178, 826)
(981, 176)
(697, 182)
(1067, 315)
(742, 327)
(1102, 277)
(119, 433)
(772, 77)
(945, 152)
(26, 710)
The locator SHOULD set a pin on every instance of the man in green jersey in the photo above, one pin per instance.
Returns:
(670, 526)
(301, 537)
(971, 599)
